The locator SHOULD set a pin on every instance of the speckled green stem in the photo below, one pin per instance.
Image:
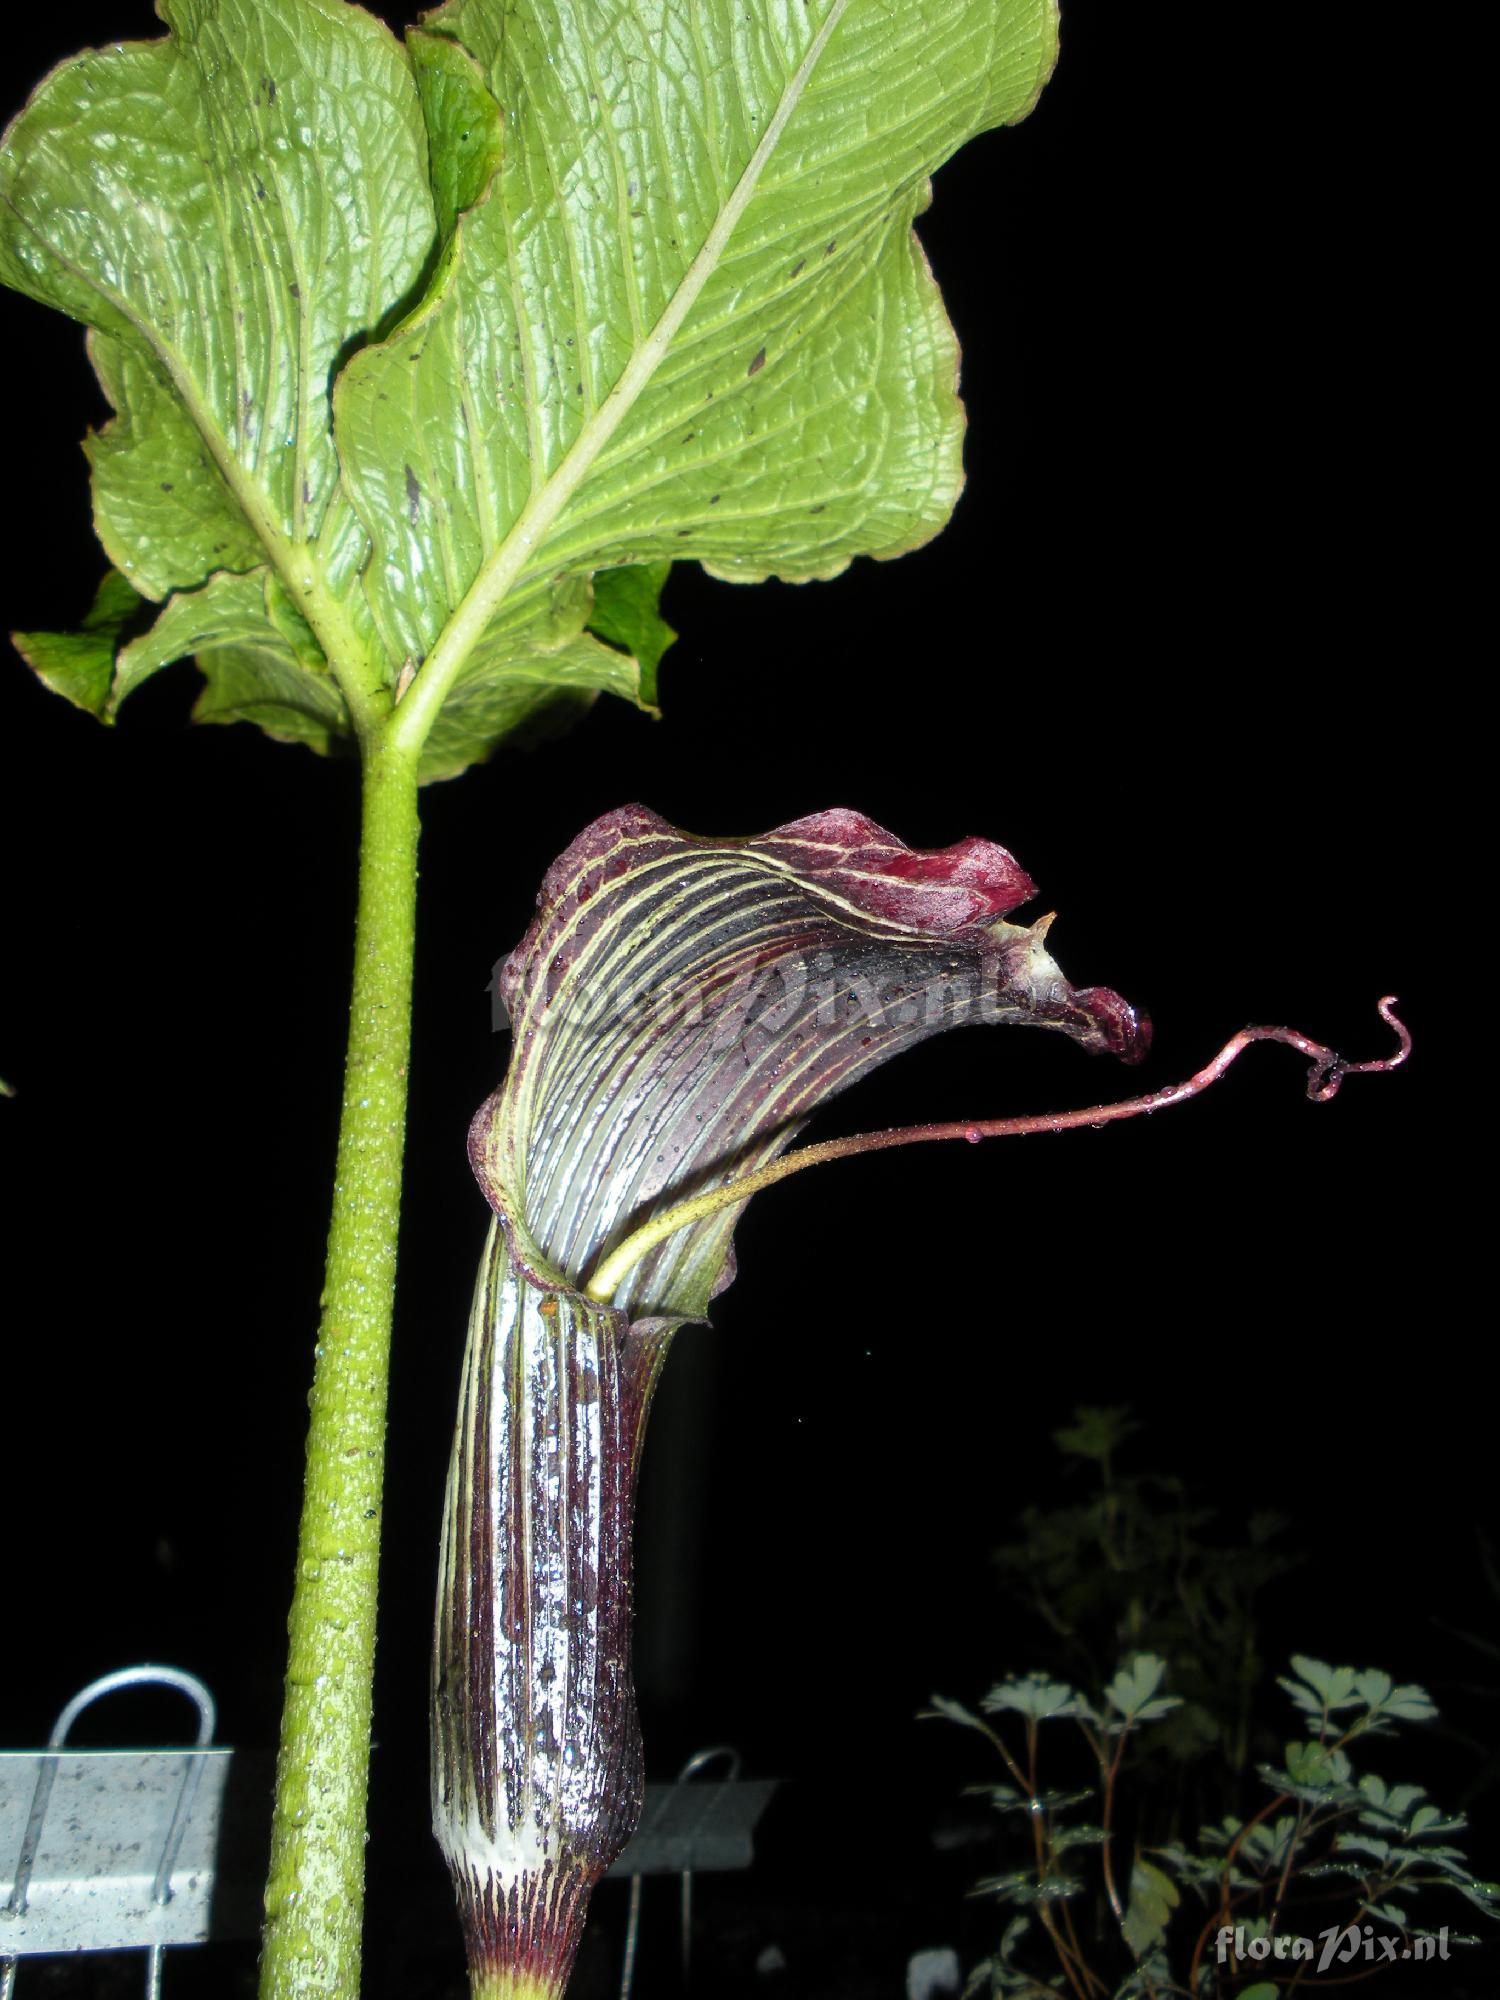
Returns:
(315, 1894)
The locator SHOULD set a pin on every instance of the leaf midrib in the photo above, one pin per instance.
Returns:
(419, 708)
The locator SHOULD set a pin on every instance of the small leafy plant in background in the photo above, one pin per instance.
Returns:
(1336, 1874)
(1179, 1746)
(1137, 1564)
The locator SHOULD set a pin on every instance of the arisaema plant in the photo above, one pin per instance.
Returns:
(427, 357)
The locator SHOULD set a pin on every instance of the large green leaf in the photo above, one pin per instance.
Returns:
(689, 317)
(422, 371)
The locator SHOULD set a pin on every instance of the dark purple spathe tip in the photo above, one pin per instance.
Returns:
(1126, 1030)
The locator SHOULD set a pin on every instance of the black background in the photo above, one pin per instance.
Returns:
(1178, 650)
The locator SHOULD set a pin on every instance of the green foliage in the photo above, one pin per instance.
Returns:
(1133, 1691)
(1033, 1697)
(1133, 1567)
(626, 614)
(408, 410)
(80, 665)
(1153, 1898)
(1261, 1883)
(1128, 1837)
